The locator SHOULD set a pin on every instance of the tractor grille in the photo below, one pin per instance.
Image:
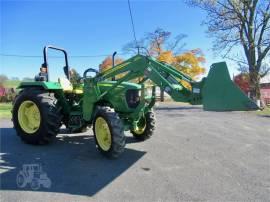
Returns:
(133, 98)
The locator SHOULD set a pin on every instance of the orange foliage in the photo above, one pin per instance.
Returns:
(167, 56)
(107, 63)
(186, 84)
(190, 63)
(242, 80)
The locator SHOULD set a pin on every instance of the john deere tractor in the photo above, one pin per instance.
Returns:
(111, 106)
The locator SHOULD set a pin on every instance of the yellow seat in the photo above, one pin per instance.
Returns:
(67, 86)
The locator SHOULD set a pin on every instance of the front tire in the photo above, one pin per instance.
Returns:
(109, 132)
(35, 185)
(146, 127)
(36, 117)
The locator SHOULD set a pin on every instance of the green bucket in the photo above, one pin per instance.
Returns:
(219, 93)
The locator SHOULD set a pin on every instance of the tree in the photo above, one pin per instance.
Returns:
(190, 63)
(3, 78)
(14, 78)
(245, 24)
(156, 42)
(161, 45)
(167, 56)
(242, 80)
(27, 79)
(74, 77)
(107, 63)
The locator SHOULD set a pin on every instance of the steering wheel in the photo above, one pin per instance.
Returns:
(89, 70)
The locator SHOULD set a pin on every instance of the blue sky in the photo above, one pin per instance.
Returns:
(89, 28)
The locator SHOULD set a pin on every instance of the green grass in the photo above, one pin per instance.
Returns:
(265, 112)
(5, 109)
(11, 83)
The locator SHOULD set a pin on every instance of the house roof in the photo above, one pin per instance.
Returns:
(265, 79)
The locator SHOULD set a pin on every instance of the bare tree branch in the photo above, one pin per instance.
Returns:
(240, 23)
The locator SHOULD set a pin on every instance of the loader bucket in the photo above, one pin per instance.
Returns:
(221, 94)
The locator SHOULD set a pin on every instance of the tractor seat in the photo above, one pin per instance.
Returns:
(67, 86)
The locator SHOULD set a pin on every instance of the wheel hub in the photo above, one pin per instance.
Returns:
(29, 117)
(103, 134)
(140, 127)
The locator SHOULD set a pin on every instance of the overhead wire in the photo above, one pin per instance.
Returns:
(132, 24)
(82, 56)
(71, 56)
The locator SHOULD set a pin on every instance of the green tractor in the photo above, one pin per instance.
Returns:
(111, 106)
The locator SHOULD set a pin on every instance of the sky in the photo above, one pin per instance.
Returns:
(90, 28)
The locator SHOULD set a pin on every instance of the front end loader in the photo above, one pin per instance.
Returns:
(112, 106)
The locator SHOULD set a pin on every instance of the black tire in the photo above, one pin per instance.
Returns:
(21, 180)
(49, 114)
(150, 122)
(116, 127)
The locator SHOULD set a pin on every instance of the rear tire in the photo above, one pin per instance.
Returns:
(21, 180)
(109, 132)
(148, 128)
(49, 117)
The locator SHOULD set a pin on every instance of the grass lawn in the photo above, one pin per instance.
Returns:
(5, 109)
(11, 83)
(265, 112)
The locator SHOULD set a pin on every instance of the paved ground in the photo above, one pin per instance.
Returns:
(194, 156)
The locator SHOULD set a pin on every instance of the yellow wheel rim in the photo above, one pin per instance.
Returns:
(103, 134)
(29, 117)
(141, 125)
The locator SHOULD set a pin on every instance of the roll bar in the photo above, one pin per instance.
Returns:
(45, 56)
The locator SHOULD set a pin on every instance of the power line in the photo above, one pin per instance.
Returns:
(81, 56)
(26, 56)
(132, 23)
(72, 56)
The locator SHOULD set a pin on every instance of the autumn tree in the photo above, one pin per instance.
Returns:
(166, 48)
(167, 57)
(107, 63)
(157, 39)
(242, 81)
(189, 62)
(245, 24)
(161, 45)
(156, 42)
(3, 79)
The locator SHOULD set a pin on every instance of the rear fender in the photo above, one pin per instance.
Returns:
(41, 84)
(50, 87)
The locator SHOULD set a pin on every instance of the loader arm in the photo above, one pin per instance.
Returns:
(162, 75)
(216, 92)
